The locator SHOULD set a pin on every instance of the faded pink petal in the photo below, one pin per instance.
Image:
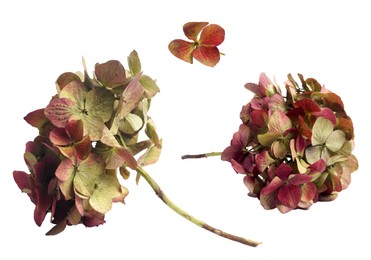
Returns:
(308, 192)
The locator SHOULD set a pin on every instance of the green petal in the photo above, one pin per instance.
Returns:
(335, 140)
(107, 187)
(151, 156)
(150, 86)
(99, 103)
(134, 63)
(322, 128)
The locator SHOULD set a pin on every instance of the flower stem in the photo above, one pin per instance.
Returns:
(202, 155)
(189, 217)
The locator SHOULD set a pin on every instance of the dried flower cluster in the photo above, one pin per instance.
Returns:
(294, 150)
(86, 132)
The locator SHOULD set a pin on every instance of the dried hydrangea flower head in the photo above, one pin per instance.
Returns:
(89, 138)
(293, 150)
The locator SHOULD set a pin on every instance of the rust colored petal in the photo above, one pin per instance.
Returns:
(182, 49)
(193, 29)
(207, 55)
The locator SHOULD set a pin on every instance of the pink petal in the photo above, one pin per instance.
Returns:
(326, 113)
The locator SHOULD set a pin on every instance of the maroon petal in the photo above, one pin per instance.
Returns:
(272, 186)
(75, 130)
(289, 195)
(283, 171)
(307, 105)
(237, 167)
(23, 180)
(36, 118)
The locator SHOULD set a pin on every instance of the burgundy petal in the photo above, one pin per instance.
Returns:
(289, 195)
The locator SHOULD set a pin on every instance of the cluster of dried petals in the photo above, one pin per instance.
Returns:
(293, 149)
(88, 137)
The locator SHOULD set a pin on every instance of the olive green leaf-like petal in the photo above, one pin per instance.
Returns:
(99, 103)
(107, 187)
(86, 175)
(150, 86)
(151, 156)
(134, 63)
(131, 124)
(76, 92)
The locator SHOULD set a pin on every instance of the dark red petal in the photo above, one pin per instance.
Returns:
(289, 195)
(23, 181)
(83, 148)
(231, 152)
(308, 105)
(283, 171)
(182, 50)
(212, 35)
(259, 118)
(207, 55)
(193, 29)
(304, 130)
(75, 130)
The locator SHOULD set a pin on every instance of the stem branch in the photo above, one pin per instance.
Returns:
(189, 217)
(202, 155)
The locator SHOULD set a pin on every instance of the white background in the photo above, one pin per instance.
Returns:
(197, 111)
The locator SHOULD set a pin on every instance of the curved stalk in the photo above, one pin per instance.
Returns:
(202, 155)
(189, 217)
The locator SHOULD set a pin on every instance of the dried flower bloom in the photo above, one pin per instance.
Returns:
(204, 49)
(293, 149)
